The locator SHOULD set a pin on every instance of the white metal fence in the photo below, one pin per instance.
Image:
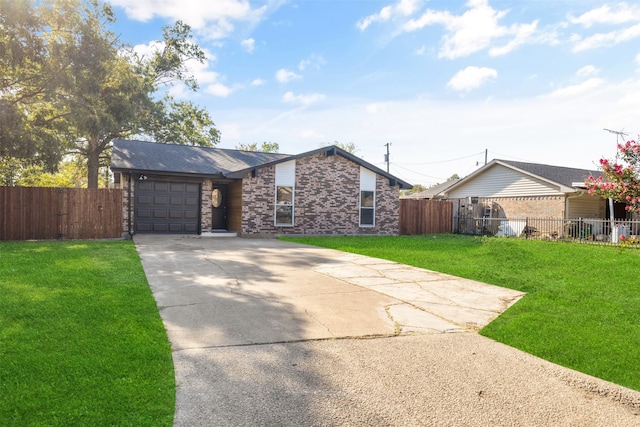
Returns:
(582, 229)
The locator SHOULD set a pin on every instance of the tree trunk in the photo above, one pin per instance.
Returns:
(93, 163)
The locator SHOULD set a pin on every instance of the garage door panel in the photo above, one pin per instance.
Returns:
(167, 207)
(145, 185)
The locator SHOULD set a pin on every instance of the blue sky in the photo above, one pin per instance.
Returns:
(442, 81)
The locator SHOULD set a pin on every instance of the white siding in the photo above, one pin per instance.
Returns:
(367, 180)
(286, 174)
(586, 206)
(500, 181)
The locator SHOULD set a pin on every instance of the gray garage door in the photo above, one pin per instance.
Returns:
(166, 207)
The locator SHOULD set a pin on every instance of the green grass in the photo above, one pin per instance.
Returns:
(582, 309)
(81, 340)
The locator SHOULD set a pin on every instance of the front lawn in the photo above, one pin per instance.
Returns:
(81, 340)
(582, 308)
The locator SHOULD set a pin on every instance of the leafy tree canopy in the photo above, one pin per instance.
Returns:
(266, 147)
(72, 87)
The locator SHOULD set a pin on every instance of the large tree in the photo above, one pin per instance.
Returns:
(30, 122)
(98, 89)
(620, 180)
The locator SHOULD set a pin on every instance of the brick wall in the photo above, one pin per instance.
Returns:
(523, 207)
(326, 200)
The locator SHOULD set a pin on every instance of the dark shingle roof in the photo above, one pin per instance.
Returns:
(561, 175)
(174, 159)
(142, 156)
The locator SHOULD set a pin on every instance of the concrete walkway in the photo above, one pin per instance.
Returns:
(266, 332)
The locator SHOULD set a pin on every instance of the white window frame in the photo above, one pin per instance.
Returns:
(367, 183)
(285, 177)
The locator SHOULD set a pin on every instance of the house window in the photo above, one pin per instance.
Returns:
(285, 186)
(367, 197)
(284, 206)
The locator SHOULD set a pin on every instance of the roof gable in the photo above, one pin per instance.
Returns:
(507, 178)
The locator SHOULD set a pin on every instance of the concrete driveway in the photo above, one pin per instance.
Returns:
(269, 333)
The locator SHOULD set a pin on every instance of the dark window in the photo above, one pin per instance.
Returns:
(367, 208)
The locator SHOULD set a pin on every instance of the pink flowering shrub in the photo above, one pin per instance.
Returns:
(621, 177)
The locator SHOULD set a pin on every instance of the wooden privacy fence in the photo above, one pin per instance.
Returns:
(422, 216)
(32, 213)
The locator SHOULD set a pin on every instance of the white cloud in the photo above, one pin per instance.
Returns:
(606, 39)
(211, 18)
(623, 15)
(471, 78)
(373, 108)
(308, 99)
(218, 89)
(400, 9)
(587, 70)
(258, 82)
(605, 15)
(315, 61)
(476, 29)
(285, 76)
(248, 44)
(576, 90)
(638, 59)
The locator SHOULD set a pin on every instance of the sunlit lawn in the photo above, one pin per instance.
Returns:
(81, 340)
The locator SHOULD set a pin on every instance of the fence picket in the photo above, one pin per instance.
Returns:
(34, 213)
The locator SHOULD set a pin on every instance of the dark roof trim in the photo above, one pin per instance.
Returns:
(156, 172)
(330, 151)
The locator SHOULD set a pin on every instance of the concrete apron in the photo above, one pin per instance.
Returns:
(232, 291)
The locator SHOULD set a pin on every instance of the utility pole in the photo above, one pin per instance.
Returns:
(386, 156)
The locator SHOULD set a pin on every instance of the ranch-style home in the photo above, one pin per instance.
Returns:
(171, 188)
(519, 189)
(552, 200)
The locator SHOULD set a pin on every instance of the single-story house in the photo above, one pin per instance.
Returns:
(521, 190)
(171, 188)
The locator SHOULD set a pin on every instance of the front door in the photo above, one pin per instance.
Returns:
(219, 207)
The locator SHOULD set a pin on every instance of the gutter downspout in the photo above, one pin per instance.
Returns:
(129, 208)
(612, 219)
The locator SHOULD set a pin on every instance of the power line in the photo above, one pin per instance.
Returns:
(444, 161)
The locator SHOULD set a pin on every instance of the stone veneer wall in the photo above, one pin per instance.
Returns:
(124, 185)
(326, 200)
(205, 206)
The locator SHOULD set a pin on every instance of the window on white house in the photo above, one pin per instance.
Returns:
(367, 197)
(285, 186)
